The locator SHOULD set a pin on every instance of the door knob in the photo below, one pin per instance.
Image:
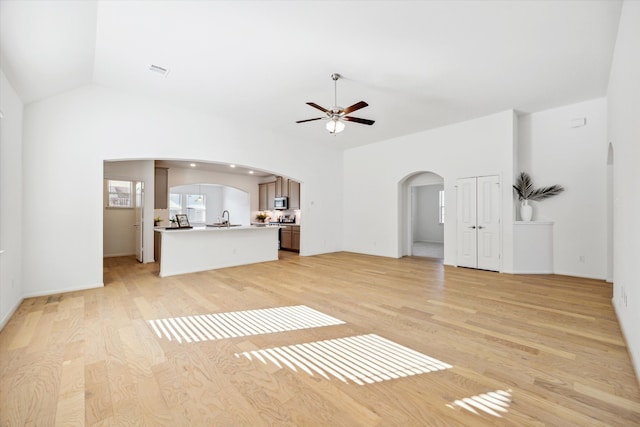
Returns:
(480, 227)
(472, 226)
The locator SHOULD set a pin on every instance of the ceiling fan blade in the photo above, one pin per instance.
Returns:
(310, 120)
(355, 107)
(357, 120)
(314, 105)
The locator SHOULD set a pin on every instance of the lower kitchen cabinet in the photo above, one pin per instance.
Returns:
(290, 238)
(295, 238)
(157, 246)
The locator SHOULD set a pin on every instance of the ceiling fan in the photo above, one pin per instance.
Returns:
(338, 115)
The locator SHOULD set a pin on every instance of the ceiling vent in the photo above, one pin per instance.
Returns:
(158, 69)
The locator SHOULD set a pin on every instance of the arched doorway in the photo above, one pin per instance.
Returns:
(422, 215)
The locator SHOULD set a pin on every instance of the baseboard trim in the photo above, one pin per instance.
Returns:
(10, 314)
(634, 363)
(532, 272)
(117, 255)
(582, 276)
(63, 290)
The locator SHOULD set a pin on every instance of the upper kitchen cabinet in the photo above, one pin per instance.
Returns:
(266, 195)
(294, 194)
(271, 194)
(161, 188)
(281, 187)
(262, 197)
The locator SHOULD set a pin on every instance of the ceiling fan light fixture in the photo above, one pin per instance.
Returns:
(338, 115)
(335, 126)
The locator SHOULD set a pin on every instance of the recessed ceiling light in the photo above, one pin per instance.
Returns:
(158, 69)
(232, 166)
(193, 165)
(251, 172)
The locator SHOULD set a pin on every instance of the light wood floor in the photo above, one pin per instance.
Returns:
(523, 350)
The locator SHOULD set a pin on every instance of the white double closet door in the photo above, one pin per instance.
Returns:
(478, 222)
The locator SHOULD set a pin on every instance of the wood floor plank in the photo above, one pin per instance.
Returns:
(70, 410)
(26, 332)
(98, 405)
(550, 344)
(153, 406)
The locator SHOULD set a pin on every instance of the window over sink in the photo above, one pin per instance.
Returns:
(194, 205)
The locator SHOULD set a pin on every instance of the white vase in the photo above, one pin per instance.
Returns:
(526, 211)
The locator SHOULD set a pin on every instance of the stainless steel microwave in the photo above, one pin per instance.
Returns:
(280, 203)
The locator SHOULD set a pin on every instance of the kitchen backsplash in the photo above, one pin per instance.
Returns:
(163, 214)
(288, 216)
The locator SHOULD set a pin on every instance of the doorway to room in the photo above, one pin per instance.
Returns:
(478, 222)
(427, 218)
(422, 215)
(610, 209)
(123, 218)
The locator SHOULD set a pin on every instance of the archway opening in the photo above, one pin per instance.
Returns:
(422, 215)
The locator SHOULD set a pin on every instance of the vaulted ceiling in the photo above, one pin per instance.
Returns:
(419, 64)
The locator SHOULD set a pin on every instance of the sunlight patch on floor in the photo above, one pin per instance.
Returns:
(493, 403)
(208, 327)
(362, 359)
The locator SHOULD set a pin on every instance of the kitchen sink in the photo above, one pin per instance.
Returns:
(223, 225)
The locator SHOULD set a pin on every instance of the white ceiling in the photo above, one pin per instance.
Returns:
(419, 64)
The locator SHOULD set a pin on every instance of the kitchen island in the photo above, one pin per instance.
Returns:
(208, 248)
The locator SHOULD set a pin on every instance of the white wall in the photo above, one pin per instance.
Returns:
(624, 133)
(374, 176)
(67, 138)
(553, 152)
(427, 214)
(11, 195)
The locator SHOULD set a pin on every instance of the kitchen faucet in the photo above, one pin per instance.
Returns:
(228, 221)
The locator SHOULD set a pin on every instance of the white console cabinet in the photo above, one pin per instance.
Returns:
(533, 247)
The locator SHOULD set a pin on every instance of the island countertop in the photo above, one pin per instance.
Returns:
(195, 249)
(212, 228)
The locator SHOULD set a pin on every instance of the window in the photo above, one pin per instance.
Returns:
(441, 207)
(194, 205)
(196, 208)
(175, 204)
(120, 194)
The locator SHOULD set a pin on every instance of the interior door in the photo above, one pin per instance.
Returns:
(466, 224)
(488, 222)
(139, 224)
(478, 222)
